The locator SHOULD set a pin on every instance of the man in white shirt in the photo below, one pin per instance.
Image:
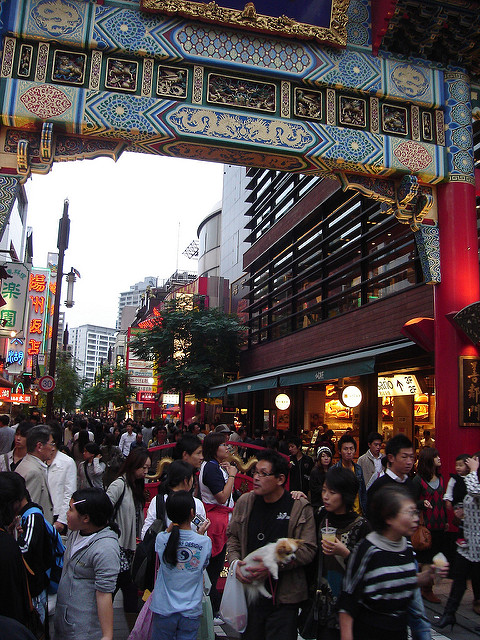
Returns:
(62, 481)
(127, 439)
(371, 461)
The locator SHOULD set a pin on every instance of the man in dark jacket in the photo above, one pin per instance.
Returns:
(300, 466)
(346, 448)
(261, 516)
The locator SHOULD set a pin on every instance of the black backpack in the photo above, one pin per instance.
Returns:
(143, 567)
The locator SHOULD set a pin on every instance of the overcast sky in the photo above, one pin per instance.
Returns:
(124, 223)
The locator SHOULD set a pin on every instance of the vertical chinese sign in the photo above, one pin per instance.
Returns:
(14, 292)
(469, 380)
(38, 300)
(52, 266)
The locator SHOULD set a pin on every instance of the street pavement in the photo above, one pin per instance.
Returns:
(467, 620)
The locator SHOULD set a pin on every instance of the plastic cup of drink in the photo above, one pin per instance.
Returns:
(329, 533)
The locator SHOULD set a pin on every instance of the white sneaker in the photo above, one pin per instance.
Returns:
(217, 622)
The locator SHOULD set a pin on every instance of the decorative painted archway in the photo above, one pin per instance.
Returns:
(81, 79)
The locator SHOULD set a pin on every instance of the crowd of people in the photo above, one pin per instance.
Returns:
(354, 521)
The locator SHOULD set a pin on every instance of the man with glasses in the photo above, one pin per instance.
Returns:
(34, 468)
(264, 515)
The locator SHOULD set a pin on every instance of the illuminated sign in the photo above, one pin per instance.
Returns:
(14, 357)
(171, 398)
(282, 401)
(398, 385)
(21, 398)
(14, 293)
(351, 396)
(145, 396)
(38, 303)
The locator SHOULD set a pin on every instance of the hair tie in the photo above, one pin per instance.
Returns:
(175, 524)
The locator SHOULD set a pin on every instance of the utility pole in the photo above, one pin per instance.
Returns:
(62, 246)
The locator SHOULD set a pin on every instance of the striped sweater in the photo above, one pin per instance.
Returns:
(379, 583)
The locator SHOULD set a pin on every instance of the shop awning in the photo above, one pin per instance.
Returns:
(322, 371)
(358, 363)
(244, 385)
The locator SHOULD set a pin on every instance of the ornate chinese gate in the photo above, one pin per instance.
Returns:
(187, 79)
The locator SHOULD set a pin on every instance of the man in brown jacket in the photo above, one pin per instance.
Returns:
(264, 515)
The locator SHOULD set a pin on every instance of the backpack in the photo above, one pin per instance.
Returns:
(55, 551)
(144, 560)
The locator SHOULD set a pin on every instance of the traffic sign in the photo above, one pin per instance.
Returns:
(46, 383)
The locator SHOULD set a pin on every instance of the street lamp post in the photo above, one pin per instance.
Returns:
(62, 246)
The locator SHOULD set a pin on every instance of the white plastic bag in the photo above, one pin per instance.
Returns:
(233, 608)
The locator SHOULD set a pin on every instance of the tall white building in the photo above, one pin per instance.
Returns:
(233, 220)
(90, 345)
(133, 297)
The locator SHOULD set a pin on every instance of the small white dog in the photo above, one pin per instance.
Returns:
(272, 555)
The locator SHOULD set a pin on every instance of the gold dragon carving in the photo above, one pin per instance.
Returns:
(335, 34)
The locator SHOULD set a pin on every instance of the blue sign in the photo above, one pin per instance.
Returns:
(14, 357)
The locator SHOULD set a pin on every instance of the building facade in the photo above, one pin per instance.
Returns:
(90, 346)
(331, 280)
(133, 297)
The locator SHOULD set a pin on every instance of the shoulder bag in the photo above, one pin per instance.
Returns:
(422, 538)
(319, 610)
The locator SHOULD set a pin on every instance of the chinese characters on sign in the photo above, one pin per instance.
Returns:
(469, 392)
(398, 385)
(38, 292)
(14, 292)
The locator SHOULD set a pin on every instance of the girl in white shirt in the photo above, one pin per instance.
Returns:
(179, 478)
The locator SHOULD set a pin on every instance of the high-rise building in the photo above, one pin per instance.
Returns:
(90, 347)
(133, 297)
(234, 222)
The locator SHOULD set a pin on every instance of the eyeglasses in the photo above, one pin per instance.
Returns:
(262, 474)
(411, 512)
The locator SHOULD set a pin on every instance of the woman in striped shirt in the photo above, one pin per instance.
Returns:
(381, 574)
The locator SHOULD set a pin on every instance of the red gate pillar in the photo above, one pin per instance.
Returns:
(460, 286)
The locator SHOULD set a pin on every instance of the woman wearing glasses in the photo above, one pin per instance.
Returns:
(381, 576)
(127, 495)
(216, 482)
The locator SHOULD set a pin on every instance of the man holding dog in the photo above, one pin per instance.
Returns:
(264, 515)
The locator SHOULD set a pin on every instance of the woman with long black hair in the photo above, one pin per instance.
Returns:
(216, 481)
(127, 495)
(429, 490)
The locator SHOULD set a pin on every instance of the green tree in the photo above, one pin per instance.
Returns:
(110, 385)
(68, 383)
(191, 346)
